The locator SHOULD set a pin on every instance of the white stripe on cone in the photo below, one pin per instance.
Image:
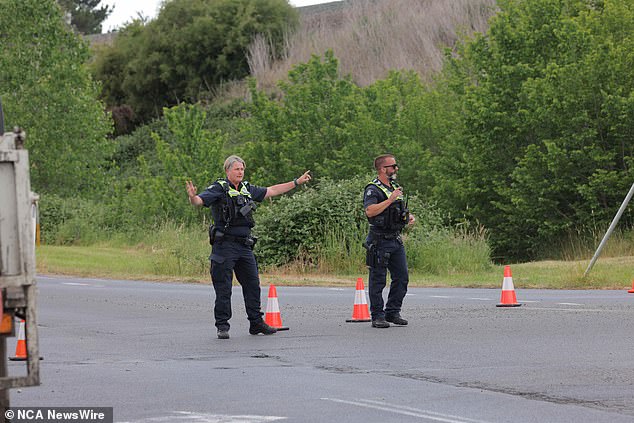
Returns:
(507, 284)
(272, 306)
(359, 297)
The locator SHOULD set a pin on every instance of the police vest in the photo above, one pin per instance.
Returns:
(395, 217)
(236, 208)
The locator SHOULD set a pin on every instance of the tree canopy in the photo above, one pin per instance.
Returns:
(527, 132)
(544, 146)
(191, 47)
(47, 90)
(86, 17)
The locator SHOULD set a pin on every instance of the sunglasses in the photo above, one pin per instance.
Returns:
(393, 166)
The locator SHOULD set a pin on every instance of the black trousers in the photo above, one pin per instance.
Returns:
(227, 258)
(397, 265)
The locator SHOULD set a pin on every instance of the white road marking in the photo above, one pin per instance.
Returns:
(407, 411)
(572, 304)
(190, 417)
(482, 299)
(58, 278)
(574, 309)
(440, 296)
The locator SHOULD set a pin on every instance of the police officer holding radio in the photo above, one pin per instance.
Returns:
(232, 202)
(387, 213)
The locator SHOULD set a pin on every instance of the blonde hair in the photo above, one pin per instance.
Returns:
(231, 160)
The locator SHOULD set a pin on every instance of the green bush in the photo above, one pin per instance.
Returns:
(444, 250)
(341, 251)
(323, 227)
(74, 220)
(184, 149)
(47, 90)
(53, 211)
(190, 48)
(291, 227)
(319, 228)
(180, 250)
(544, 140)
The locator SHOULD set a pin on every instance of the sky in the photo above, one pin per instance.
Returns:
(126, 10)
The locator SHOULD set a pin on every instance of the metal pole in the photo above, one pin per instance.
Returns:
(4, 393)
(610, 229)
(1, 119)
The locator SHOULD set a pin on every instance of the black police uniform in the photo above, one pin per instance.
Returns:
(385, 250)
(232, 247)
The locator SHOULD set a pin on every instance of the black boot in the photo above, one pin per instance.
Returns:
(261, 327)
(380, 322)
(223, 334)
(396, 319)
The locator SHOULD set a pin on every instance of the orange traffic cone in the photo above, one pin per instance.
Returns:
(508, 291)
(360, 312)
(273, 316)
(20, 348)
(631, 291)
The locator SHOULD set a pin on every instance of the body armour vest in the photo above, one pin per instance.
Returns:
(236, 208)
(395, 217)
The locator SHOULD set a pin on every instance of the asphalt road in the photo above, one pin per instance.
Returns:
(149, 350)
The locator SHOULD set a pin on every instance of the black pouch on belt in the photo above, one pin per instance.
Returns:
(212, 234)
(250, 241)
(370, 254)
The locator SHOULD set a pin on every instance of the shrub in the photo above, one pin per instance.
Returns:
(323, 227)
(293, 226)
(74, 220)
(442, 250)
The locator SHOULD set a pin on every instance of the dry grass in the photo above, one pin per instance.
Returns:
(372, 37)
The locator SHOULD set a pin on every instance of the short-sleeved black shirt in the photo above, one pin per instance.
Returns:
(374, 195)
(215, 192)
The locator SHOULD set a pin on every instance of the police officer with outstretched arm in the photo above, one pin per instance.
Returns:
(232, 201)
(387, 213)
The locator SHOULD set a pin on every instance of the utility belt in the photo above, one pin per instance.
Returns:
(384, 235)
(375, 257)
(217, 236)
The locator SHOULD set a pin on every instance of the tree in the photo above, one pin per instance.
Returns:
(86, 18)
(545, 141)
(47, 90)
(310, 126)
(191, 47)
(326, 123)
(187, 151)
(581, 111)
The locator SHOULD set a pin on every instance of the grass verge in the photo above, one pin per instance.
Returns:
(139, 263)
(149, 263)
